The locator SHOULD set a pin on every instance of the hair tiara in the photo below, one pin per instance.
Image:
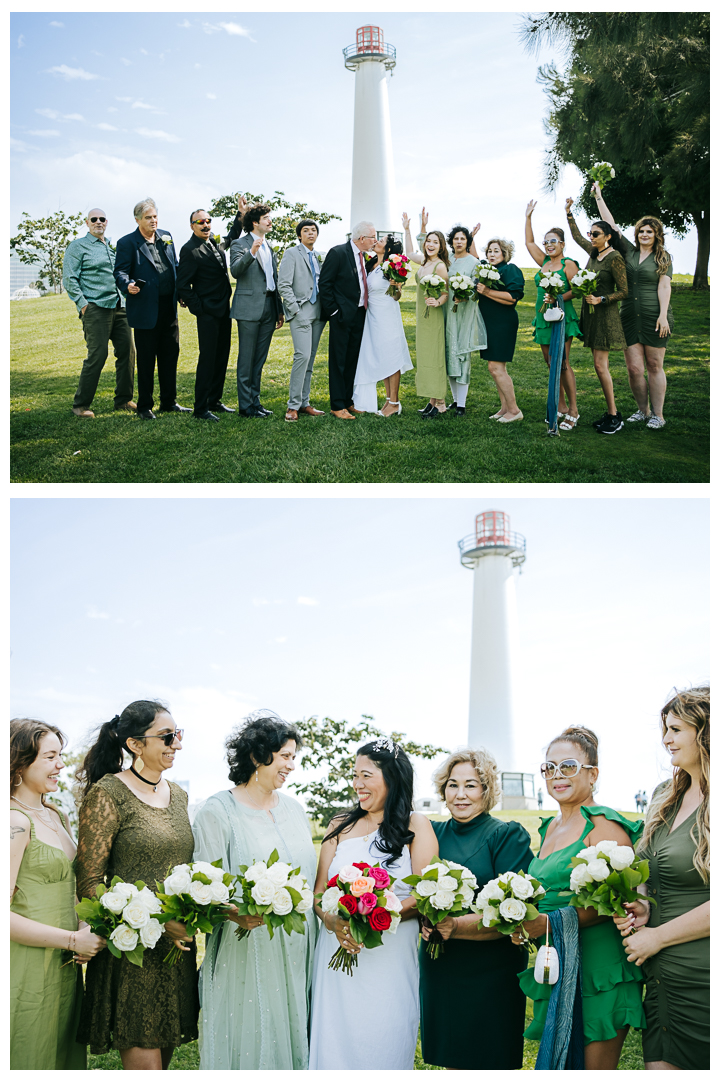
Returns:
(386, 744)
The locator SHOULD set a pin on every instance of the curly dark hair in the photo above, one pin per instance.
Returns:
(393, 246)
(255, 742)
(453, 233)
(253, 215)
(394, 830)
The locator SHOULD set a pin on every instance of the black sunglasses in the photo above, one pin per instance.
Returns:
(168, 738)
(94, 219)
(594, 234)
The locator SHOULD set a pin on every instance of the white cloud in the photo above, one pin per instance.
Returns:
(19, 145)
(56, 24)
(235, 29)
(71, 73)
(126, 62)
(307, 601)
(21, 41)
(93, 613)
(144, 52)
(44, 134)
(211, 96)
(51, 114)
(143, 105)
(185, 24)
(164, 135)
(73, 116)
(123, 99)
(111, 108)
(106, 127)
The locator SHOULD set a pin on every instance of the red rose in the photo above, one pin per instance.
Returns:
(332, 882)
(349, 903)
(379, 918)
(402, 273)
(362, 865)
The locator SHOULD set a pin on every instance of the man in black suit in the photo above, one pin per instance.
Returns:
(343, 295)
(204, 285)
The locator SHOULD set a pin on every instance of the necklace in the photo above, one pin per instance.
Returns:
(265, 808)
(37, 810)
(153, 783)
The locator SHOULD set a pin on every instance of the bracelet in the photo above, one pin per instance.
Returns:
(71, 942)
(330, 932)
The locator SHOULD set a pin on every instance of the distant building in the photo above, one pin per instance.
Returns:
(21, 275)
(429, 804)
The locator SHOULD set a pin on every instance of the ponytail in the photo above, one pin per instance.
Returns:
(106, 753)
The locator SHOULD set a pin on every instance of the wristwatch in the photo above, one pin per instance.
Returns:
(603, 299)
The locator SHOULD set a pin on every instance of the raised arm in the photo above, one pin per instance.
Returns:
(472, 249)
(413, 256)
(577, 235)
(536, 252)
(602, 205)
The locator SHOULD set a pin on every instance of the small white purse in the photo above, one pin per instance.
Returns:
(547, 965)
(554, 314)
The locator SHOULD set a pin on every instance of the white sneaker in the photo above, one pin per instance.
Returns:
(639, 415)
(655, 422)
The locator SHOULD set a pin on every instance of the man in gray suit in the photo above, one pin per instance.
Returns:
(256, 306)
(298, 286)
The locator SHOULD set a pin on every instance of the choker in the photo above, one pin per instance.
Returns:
(153, 783)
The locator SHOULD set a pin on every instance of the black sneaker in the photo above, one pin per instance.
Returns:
(459, 410)
(452, 407)
(597, 424)
(611, 424)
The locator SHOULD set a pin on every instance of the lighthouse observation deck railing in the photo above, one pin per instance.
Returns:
(354, 55)
(474, 547)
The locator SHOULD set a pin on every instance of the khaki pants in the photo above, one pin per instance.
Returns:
(100, 326)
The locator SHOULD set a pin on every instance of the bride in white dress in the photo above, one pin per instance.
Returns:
(370, 1020)
(384, 353)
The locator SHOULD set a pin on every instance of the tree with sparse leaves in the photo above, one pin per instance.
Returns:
(634, 91)
(283, 230)
(42, 242)
(68, 793)
(331, 745)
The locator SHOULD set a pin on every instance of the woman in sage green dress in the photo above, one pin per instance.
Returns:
(599, 316)
(498, 310)
(464, 329)
(671, 940)
(134, 824)
(255, 992)
(430, 370)
(611, 987)
(45, 989)
(479, 967)
(646, 315)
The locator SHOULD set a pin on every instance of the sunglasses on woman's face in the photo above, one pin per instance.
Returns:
(168, 738)
(594, 234)
(569, 767)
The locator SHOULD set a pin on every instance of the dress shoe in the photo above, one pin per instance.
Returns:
(174, 408)
(310, 411)
(146, 414)
(291, 416)
(263, 411)
(207, 415)
(356, 412)
(427, 408)
(129, 406)
(459, 410)
(342, 414)
(219, 407)
(451, 408)
(248, 414)
(87, 414)
(432, 414)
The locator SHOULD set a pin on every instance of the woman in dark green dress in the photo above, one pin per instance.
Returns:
(600, 317)
(135, 824)
(672, 940)
(498, 310)
(646, 315)
(474, 982)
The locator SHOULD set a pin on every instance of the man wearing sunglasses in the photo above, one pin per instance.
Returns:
(204, 285)
(88, 277)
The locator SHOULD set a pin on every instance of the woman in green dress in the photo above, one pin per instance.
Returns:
(553, 261)
(479, 967)
(430, 370)
(134, 824)
(671, 939)
(45, 990)
(255, 992)
(646, 315)
(498, 310)
(599, 316)
(464, 329)
(611, 987)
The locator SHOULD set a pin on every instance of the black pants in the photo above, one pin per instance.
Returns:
(214, 344)
(253, 347)
(101, 325)
(343, 352)
(162, 343)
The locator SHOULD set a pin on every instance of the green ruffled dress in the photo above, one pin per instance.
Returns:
(612, 987)
(543, 329)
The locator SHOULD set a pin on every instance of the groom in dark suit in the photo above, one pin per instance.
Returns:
(204, 285)
(344, 297)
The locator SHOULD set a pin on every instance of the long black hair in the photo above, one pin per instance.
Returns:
(106, 753)
(255, 742)
(611, 232)
(394, 830)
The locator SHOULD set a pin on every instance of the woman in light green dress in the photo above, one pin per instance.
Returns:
(254, 993)
(464, 329)
(430, 370)
(45, 990)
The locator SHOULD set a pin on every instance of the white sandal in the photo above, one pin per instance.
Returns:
(389, 402)
(569, 422)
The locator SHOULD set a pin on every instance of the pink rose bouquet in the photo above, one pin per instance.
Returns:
(363, 895)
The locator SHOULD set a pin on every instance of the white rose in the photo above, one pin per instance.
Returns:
(442, 870)
(200, 893)
(469, 877)
(491, 891)
(507, 876)
(612, 172)
(349, 873)
(513, 910)
(282, 902)
(621, 858)
(113, 902)
(150, 900)
(124, 888)
(539, 890)
(124, 938)
(606, 846)
(392, 902)
(263, 891)
(151, 933)
(443, 901)
(426, 887)
(215, 873)
(523, 888)
(135, 914)
(579, 877)
(588, 854)
(178, 882)
(278, 872)
(489, 916)
(598, 869)
(219, 892)
(466, 896)
(434, 866)
(256, 871)
(306, 901)
(330, 897)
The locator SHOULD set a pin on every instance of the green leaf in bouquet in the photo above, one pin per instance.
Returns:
(457, 874)
(88, 910)
(276, 920)
(112, 948)
(100, 890)
(297, 921)
(287, 926)
(269, 925)
(243, 908)
(136, 956)
(432, 875)
(633, 877)
(199, 876)
(139, 885)
(217, 862)
(532, 912)
(242, 870)
(164, 916)
(274, 857)
(373, 938)
(252, 909)
(606, 909)
(116, 881)
(294, 895)
(359, 930)
(412, 879)
(295, 871)
(205, 925)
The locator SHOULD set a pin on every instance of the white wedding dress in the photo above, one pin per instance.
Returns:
(383, 349)
(368, 1020)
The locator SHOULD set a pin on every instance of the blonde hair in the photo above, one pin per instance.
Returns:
(662, 258)
(486, 768)
(506, 246)
(693, 707)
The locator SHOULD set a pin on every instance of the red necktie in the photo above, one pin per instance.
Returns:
(364, 277)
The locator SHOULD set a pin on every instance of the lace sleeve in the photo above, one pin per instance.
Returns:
(578, 237)
(619, 273)
(98, 826)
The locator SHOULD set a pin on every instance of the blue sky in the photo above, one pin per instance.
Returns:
(341, 607)
(110, 108)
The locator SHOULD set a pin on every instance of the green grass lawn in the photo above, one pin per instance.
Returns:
(51, 445)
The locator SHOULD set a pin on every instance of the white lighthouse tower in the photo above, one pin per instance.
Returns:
(492, 552)
(373, 171)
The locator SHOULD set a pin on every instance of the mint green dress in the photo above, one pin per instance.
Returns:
(543, 329)
(45, 997)
(611, 986)
(464, 329)
(255, 993)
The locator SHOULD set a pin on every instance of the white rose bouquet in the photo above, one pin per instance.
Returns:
(506, 902)
(195, 895)
(554, 286)
(605, 877)
(442, 888)
(128, 916)
(583, 284)
(602, 171)
(486, 274)
(463, 288)
(276, 892)
(434, 286)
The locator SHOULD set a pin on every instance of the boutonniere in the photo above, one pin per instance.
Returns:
(168, 240)
(216, 237)
(369, 255)
(320, 258)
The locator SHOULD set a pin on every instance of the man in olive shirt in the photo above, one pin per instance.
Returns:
(88, 277)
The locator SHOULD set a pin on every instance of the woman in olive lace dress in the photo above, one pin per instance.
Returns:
(135, 824)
